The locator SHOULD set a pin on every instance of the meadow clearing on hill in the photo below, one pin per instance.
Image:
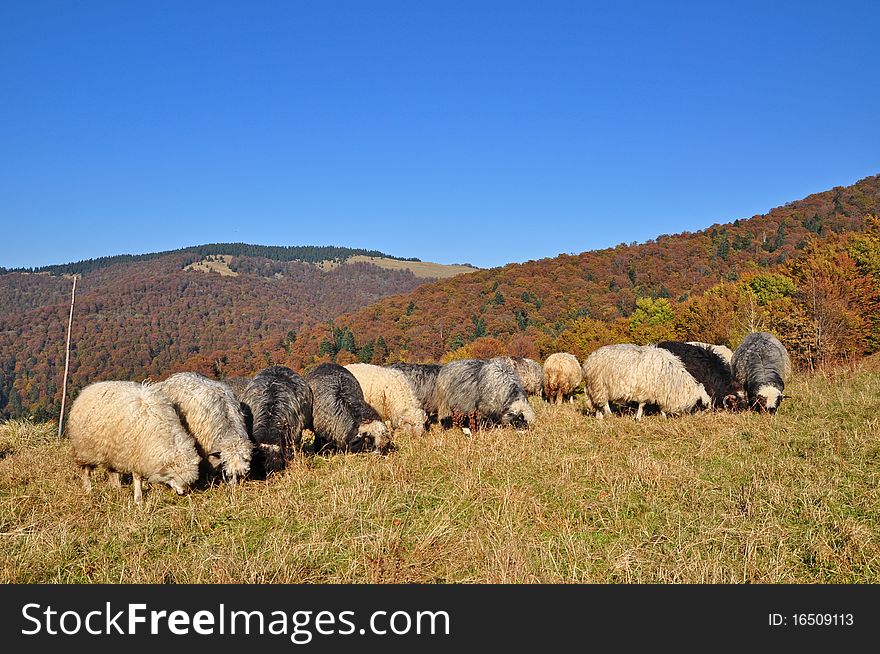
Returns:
(714, 498)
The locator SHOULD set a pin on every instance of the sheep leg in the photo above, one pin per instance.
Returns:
(607, 409)
(558, 398)
(115, 478)
(663, 414)
(639, 412)
(86, 475)
(138, 492)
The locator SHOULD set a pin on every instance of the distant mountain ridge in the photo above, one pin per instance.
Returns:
(304, 253)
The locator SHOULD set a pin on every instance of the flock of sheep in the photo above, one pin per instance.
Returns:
(162, 433)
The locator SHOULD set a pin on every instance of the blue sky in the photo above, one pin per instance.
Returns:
(481, 132)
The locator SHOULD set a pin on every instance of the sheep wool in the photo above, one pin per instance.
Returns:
(130, 427)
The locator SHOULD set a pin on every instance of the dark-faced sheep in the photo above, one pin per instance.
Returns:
(210, 412)
(761, 363)
(643, 374)
(712, 371)
(482, 391)
(422, 377)
(721, 350)
(130, 427)
(529, 371)
(562, 376)
(280, 402)
(388, 391)
(342, 418)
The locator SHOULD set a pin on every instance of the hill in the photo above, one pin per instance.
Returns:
(146, 315)
(637, 292)
(808, 271)
(305, 253)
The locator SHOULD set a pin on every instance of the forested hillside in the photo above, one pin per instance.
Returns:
(807, 270)
(140, 319)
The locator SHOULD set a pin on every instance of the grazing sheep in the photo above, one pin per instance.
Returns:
(280, 402)
(529, 371)
(724, 352)
(238, 385)
(342, 418)
(210, 412)
(482, 390)
(131, 427)
(710, 369)
(422, 377)
(390, 393)
(762, 365)
(562, 376)
(643, 374)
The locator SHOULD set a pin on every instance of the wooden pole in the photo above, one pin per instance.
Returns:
(66, 358)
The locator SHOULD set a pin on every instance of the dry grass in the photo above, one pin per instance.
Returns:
(711, 498)
(425, 269)
(218, 263)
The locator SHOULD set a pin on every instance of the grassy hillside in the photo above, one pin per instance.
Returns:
(716, 498)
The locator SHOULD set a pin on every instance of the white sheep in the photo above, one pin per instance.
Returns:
(643, 374)
(562, 376)
(131, 427)
(390, 393)
(210, 412)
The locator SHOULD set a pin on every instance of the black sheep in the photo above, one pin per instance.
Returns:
(712, 371)
(341, 418)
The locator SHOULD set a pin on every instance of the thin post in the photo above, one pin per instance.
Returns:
(66, 358)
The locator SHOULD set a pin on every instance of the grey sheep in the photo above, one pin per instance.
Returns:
(342, 418)
(529, 371)
(482, 391)
(210, 412)
(130, 427)
(761, 363)
(280, 403)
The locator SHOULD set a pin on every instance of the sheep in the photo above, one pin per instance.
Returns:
(280, 402)
(710, 369)
(210, 412)
(724, 352)
(422, 377)
(643, 374)
(562, 376)
(237, 385)
(390, 393)
(485, 390)
(342, 418)
(529, 371)
(762, 365)
(130, 427)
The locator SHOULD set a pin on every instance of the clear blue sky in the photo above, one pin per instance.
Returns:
(482, 132)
